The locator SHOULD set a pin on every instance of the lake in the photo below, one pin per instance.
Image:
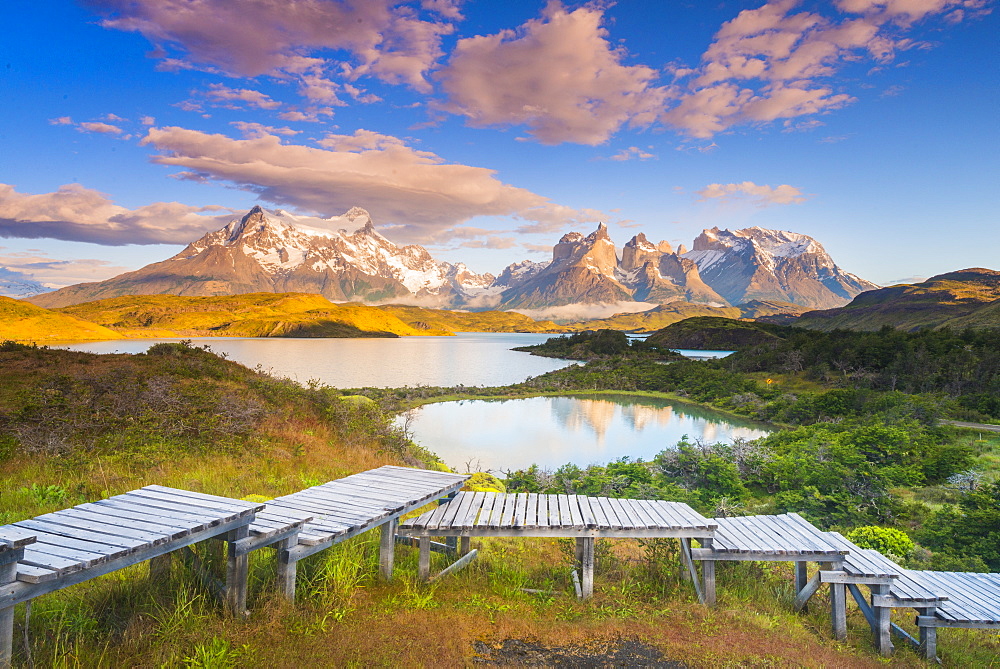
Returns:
(552, 431)
(471, 358)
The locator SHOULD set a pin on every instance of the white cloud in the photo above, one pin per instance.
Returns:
(75, 213)
(761, 196)
(415, 190)
(558, 75)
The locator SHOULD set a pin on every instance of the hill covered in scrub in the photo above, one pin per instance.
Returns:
(968, 298)
(249, 315)
(598, 345)
(710, 333)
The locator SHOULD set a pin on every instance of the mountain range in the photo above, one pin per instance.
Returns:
(263, 252)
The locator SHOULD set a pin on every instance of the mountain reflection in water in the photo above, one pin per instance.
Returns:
(552, 431)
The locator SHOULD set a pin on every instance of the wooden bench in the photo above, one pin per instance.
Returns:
(59, 549)
(346, 507)
(490, 514)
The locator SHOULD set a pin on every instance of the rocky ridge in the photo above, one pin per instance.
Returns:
(275, 252)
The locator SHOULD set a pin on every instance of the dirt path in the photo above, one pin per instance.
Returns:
(974, 426)
(620, 653)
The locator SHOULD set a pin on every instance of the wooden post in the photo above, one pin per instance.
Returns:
(928, 635)
(287, 567)
(424, 560)
(578, 556)
(801, 576)
(159, 567)
(8, 574)
(685, 574)
(708, 575)
(587, 567)
(237, 568)
(883, 622)
(466, 545)
(838, 606)
(387, 548)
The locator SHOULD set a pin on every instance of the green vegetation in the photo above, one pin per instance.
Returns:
(886, 540)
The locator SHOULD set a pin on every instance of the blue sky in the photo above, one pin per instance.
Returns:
(484, 131)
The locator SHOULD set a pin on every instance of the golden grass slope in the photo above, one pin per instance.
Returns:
(249, 315)
(469, 321)
(966, 298)
(26, 323)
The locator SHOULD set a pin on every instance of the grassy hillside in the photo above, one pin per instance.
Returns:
(250, 315)
(468, 321)
(24, 322)
(958, 299)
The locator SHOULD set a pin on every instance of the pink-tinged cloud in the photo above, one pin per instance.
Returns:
(55, 272)
(773, 62)
(908, 11)
(761, 196)
(387, 39)
(231, 97)
(416, 191)
(632, 153)
(259, 129)
(558, 75)
(62, 120)
(98, 126)
(77, 214)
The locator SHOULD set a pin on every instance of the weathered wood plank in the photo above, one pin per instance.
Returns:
(15, 537)
(86, 522)
(531, 511)
(486, 510)
(31, 574)
(82, 534)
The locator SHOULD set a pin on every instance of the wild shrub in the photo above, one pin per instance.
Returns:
(886, 540)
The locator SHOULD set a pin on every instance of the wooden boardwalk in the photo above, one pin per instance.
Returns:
(346, 507)
(490, 514)
(60, 549)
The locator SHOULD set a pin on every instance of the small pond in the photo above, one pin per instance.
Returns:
(552, 431)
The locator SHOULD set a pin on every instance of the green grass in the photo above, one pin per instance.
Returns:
(346, 616)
